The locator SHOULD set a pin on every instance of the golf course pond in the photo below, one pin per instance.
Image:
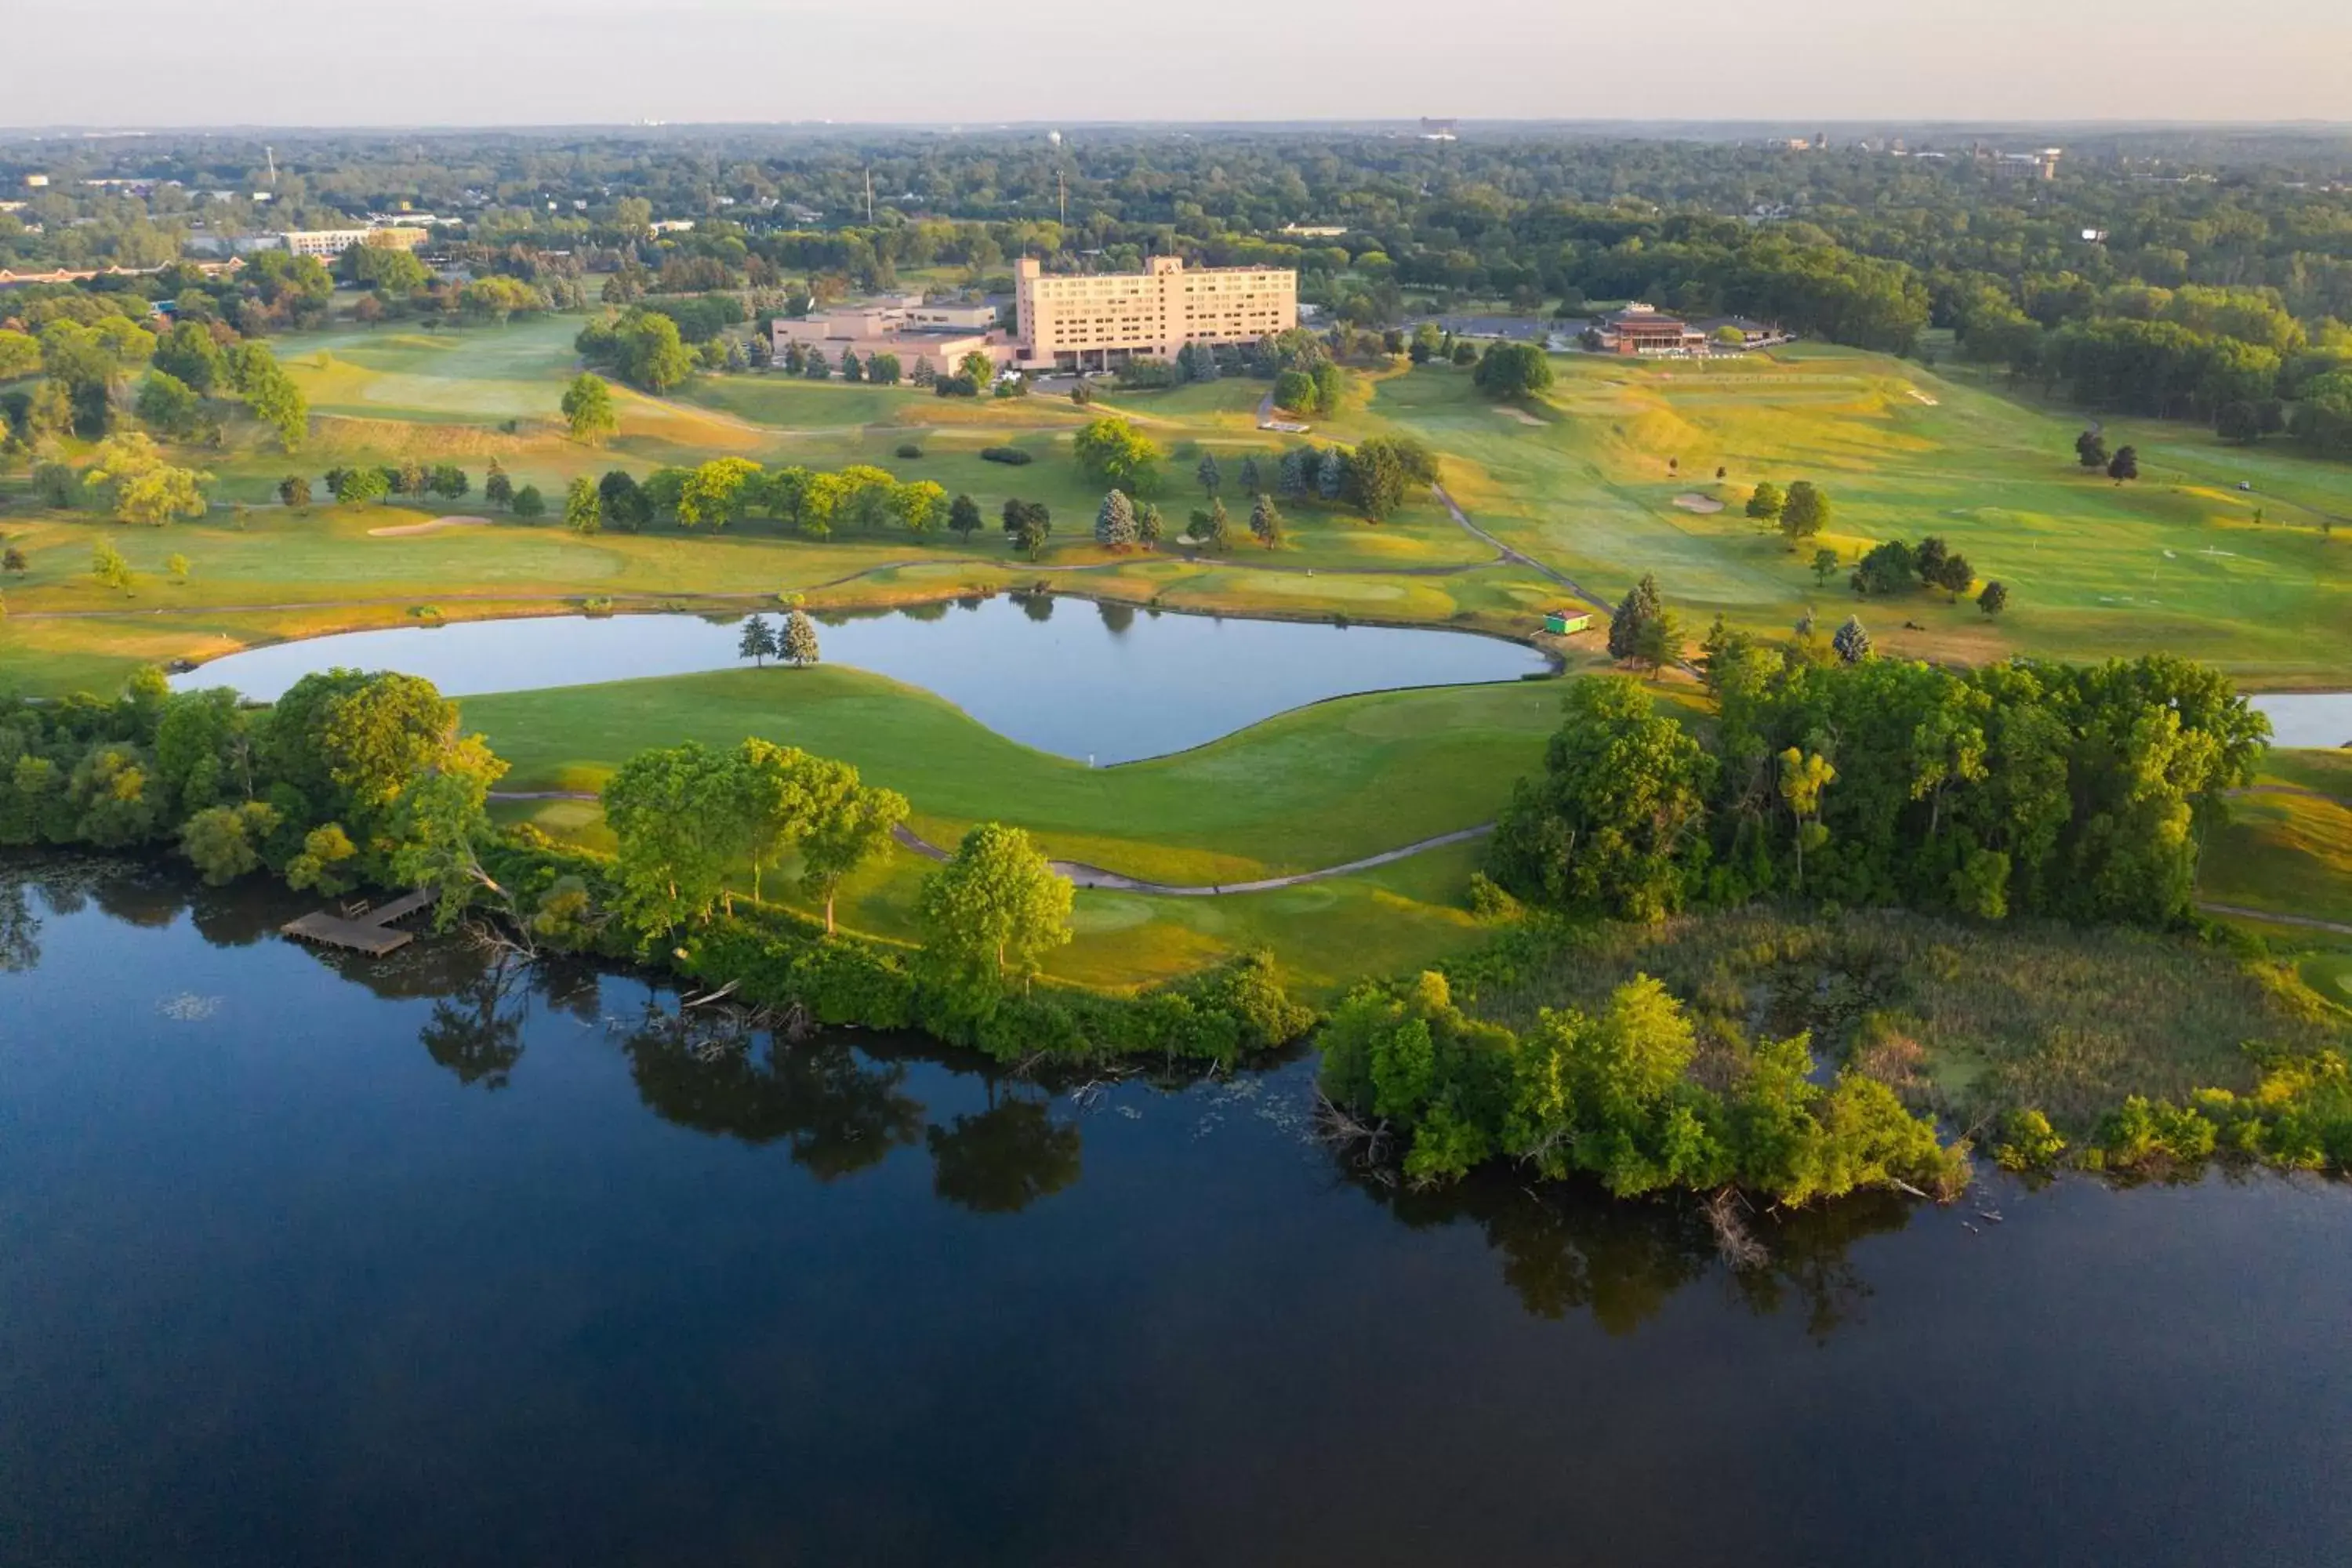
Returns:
(432, 1259)
(1089, 680)
(2322, 719)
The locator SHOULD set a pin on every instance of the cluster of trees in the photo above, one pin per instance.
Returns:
(1800, 512)
(86, 361)
(348, 779)
(1373, 478)
(1512, 371)
(642, 347)
(1627, 1095)
(2074, 792)
(795, 644)
(1892, 566)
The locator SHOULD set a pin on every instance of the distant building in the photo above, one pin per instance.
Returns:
(1440, 130)
(1316, 231)
(38, 182)
(2041, 165)
(1102, 319)
(329, 243)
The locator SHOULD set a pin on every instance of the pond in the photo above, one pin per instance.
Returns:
(1109, 683)
(426, 1261)
(2308, 717)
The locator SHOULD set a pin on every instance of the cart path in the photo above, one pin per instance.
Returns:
(1518, 558)
(1086, 875)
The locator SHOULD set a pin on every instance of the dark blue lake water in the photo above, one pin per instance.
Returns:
(308, 1261)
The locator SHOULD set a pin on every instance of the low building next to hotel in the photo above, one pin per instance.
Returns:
(1097, 320)
(933, 336)
(329, 243)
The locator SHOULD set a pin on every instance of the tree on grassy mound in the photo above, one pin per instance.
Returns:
(798, 645)
(758, 642)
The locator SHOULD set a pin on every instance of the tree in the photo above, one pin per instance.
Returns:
(1110, 452)
(2125, 465)
(1148, 524)
(1804, 776)
(1641, 605)
(224, 842)
(108, 565)
(1115, 521)
(1252, 479)
(1294, 391)
(271, 394)
(623, 501)
(852, 367)
(884, 370)
(13, 562)
(758, 642)
(963, 518)
(1804, 513)
(1214, 527)
(1660, 641)
(1614, 824)
(1028, 524)
(1955, 576)
(1512, 371)
(2091, 449)
(497, 488)
(715, 493)
(1765, 502)
(1825, 565)
(1208, 473)
(649, 352)
(354, 487)
(529, 502)
(588, 410)
(1888, 567)
(175, 566)
(677, 814)
(1851, 642)
(1928, 560)
(918, 505)
(976, 368)
(992, 913)
(1995, 598)
(294, 491)
(848, 825)
(141, 487)
(799, 641)
(20, 354)
(1265, 521)
(584, 507)
(170, 408)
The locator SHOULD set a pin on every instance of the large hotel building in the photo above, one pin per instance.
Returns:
(1097, 321)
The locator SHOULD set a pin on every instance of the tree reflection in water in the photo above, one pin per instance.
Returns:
(1003, 1158)
(475, 1032)
(835, 1111)
(1568, 1248)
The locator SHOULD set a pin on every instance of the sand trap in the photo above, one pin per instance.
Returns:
(435, 526)
(1521, 415)
(1921, 397)
(1698, 503)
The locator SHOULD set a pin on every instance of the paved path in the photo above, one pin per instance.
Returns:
(2274, 918)
(1516, 557)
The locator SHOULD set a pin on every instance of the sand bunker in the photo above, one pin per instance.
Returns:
(1695, 502)
(435, 526)
(1521, 415)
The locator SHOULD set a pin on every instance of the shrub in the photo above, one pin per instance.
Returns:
(1011, 457)
(909, 450)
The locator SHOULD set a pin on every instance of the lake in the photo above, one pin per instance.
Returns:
(1109, 683)
(309, 1260)
(2308, 717)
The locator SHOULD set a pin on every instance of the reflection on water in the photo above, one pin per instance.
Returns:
(312, 1260)
(1103, 684)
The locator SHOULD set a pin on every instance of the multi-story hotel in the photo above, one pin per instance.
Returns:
(1097, 321)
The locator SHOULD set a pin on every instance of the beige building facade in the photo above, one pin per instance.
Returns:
(934, 336)
(1097, 321)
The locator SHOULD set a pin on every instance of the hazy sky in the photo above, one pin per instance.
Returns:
(468, 62)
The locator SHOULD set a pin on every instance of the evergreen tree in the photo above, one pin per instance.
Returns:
(1995, 598)
(799, 641)
(758, 642)
(2091, 449)
(1331, 474)
(1290, 474)
(2125, 463)
(1639, 606)
(1209, 474)
(529, 502)
(1251, 483)
(852, 367)
(1148, 524)
(497, 488)
(584, 507)
(1114, 522)
(1851, 642)
(1265, 521)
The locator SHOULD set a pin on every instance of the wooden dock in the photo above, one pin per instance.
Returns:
(373, 931)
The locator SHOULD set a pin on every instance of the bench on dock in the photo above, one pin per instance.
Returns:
(373, 933)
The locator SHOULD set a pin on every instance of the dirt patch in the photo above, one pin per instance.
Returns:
(1521, 415)
(436, 526)
(1920, 396)
(1693, 501)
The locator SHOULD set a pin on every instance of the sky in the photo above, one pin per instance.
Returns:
(540, 62)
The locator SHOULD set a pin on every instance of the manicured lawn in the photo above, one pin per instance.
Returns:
(2176, 561)
(2290, 854)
